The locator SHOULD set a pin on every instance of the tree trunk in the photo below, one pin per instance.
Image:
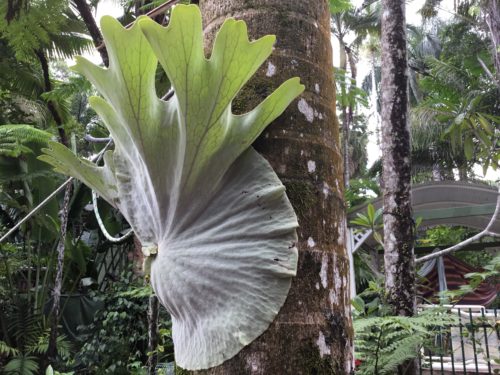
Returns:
(153, 313)
(56, 292)
(492, 18)
(312, 333)
(343, 108)
(348, 164)
(87, 17)
(396, 149)
(47, 86)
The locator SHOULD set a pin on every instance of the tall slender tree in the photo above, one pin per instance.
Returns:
(85, 12)
(312, 334)
(398, 223)
(396, 167)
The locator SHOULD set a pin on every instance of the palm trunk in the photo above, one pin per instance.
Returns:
(398, 223)
(87, 17)
(312, 333)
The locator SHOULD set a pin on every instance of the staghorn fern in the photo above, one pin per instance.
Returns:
(210, 212)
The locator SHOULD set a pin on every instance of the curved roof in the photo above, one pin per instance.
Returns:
(449, 203)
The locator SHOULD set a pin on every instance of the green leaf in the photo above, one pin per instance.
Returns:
(468, 147)
(485, 124)
(418, 221)
(378, 238)
(359, 304)
(184, 175)
(370, 213)
(338, 6)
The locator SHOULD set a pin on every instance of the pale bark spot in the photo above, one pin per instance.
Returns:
(323, 348)
(310, 242)
(334, 301)
(317, 286)
(326, 190)
(320, 116)
(306, 110)
(342, 233)
(311, 166)
(316, 88)
(301, 135)
(271, 70)
(253, 363)
(301, 152)
(323, 273)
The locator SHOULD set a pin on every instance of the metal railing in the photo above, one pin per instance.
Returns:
(469, 347)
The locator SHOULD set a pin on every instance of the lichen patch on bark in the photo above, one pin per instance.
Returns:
(323, 348)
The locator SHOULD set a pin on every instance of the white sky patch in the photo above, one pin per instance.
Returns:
(323, 348)
(306, 110)
(271, 69)
(310, 242)
(311, 166)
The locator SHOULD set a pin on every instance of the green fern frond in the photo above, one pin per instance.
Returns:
(6, 350)
(64, 348)
(405, 349)
(16, 139)
(22, 365)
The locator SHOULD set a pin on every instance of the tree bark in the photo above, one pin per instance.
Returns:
(153, 313)
(343, 108)
(491, 9)
(56, 292)
(396, 167)
(398, 223)
(47, 86)
(312, 333)
(348, 164)
(88, 18)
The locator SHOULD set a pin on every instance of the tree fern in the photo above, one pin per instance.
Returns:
(47, 25)
(385, 342)
(22, 365)
(6, 350)
(16, 139)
